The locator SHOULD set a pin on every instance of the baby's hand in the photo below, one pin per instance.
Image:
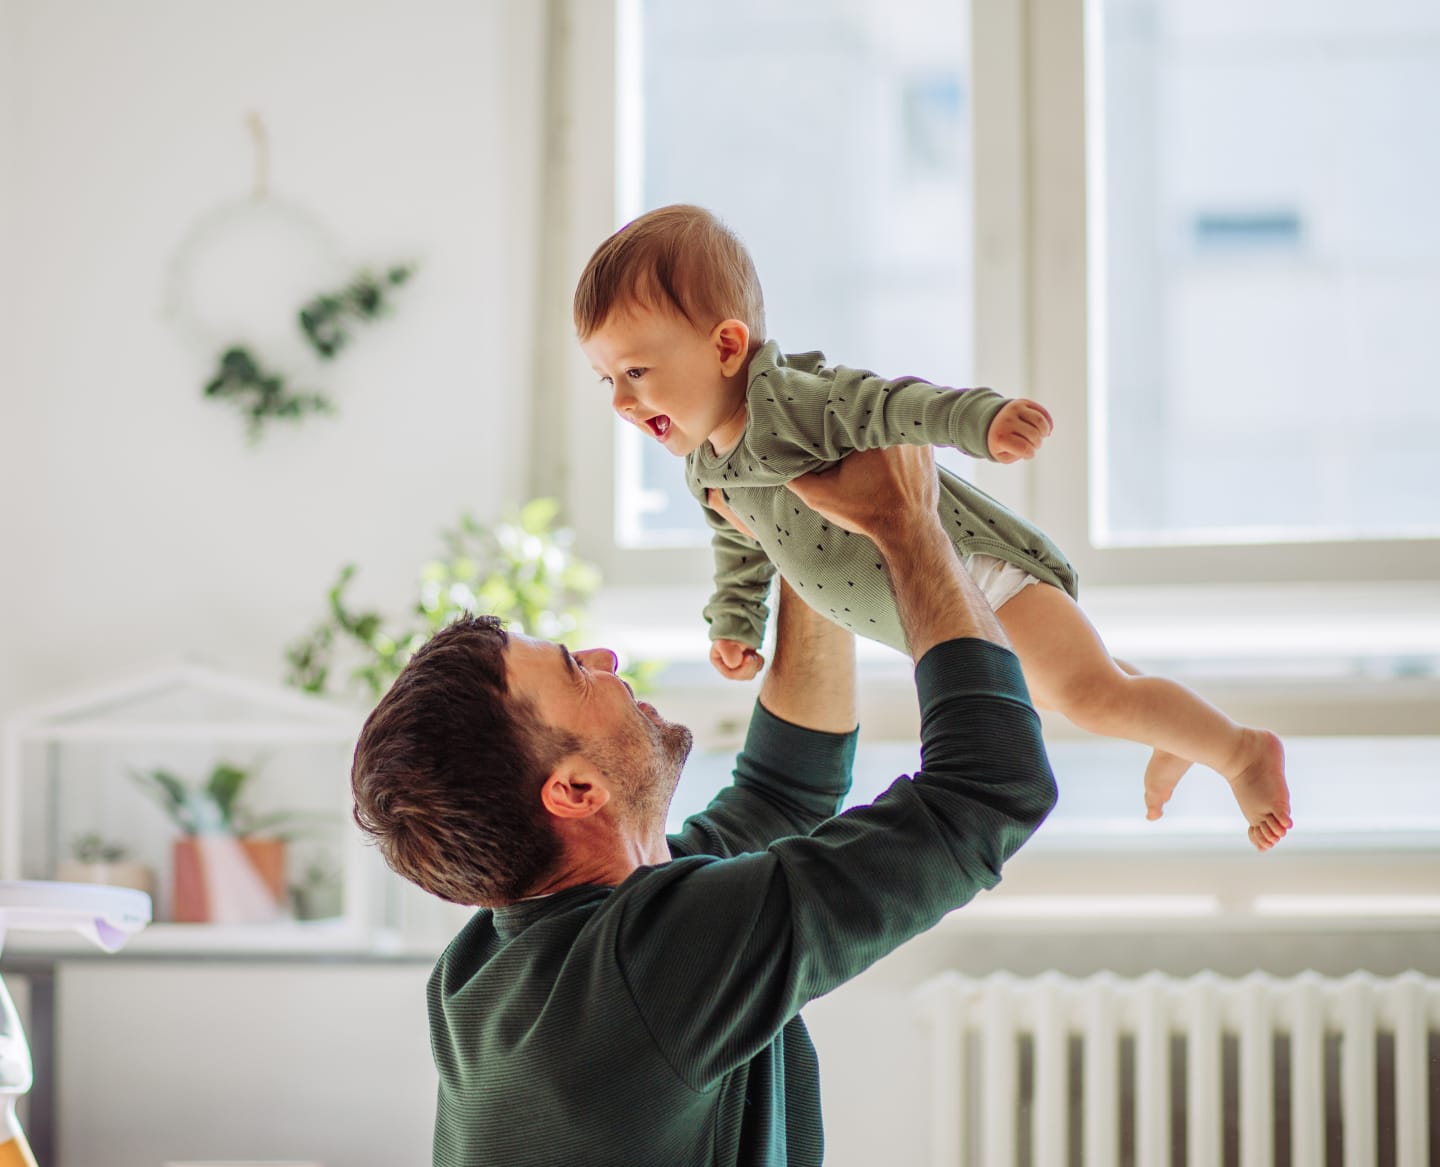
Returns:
(737, 661)
(1018, 430)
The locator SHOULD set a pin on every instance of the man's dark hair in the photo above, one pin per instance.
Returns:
(448, 771)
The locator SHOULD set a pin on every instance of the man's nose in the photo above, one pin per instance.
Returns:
(599, 658)
(622, 400)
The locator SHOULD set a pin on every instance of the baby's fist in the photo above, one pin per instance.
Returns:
(737, 661)
(1017, 430)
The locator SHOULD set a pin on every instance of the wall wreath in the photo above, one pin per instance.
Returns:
(263, 284)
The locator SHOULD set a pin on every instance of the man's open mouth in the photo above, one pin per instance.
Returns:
(659, 425)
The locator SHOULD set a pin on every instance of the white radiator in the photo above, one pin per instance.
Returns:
(1208, 1072)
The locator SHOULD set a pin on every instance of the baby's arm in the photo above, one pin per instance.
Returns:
(737, 610)
(864, 411)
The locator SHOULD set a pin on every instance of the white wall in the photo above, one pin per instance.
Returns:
(11, 477)
(137, 524)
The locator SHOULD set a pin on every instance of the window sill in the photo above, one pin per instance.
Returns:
(1294, 625)
(1307, 659)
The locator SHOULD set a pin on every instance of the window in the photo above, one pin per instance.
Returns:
(1271, 272)
(1230, 267)
(834, 138)
(1198, 232)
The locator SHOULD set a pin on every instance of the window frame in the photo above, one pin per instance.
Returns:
(1064, 289)
(1037, 200)
(591, 110)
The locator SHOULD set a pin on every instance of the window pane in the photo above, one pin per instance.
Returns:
(1272, 284)
(834, 138)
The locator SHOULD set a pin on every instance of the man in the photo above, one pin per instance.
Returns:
(624, 998)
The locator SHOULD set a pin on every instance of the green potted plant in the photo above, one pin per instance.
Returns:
(523, 569)
(228, 863)
(97, 859)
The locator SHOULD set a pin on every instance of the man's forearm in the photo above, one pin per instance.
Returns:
(936, 598)
(811, 681)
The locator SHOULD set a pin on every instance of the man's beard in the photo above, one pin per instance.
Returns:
(645, 771)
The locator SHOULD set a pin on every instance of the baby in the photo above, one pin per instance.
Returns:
(670, 314)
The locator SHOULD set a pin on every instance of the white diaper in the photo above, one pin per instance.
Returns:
(999, 580)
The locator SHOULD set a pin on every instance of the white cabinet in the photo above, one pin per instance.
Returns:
(253, 1060)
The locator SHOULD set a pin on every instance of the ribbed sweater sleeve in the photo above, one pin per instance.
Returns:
(787, 780)
(718, 954)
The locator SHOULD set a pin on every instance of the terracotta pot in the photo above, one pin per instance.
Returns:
(220, 879)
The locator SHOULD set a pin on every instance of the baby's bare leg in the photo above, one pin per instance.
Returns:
(1068, 668)
(1164, 770)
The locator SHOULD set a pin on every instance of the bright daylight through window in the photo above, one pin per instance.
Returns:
(836, 142)
(1271, 271)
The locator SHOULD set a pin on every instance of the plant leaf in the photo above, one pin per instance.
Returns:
(538, 514)
(226, 782)
(172, 795)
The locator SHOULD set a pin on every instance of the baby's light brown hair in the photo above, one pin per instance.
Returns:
(679, 257)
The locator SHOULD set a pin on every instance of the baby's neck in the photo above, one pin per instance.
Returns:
(727, 435)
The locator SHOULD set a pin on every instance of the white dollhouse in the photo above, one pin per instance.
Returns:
(69, 783)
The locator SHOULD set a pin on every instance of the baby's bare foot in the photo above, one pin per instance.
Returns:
(1258, 782)
(1162, 774)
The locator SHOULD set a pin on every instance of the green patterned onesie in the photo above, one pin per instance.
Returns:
(804, 414)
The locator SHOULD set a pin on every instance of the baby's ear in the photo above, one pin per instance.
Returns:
(731, 339)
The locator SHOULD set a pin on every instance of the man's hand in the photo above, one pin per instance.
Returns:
(874, 492)
(891, 497)
(735, 660)
(1017, 430)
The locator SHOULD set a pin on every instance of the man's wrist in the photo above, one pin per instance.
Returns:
(811, 680)
(936, 598)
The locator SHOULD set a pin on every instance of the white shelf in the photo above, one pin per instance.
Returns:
(287, 938)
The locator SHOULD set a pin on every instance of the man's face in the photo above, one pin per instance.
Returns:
(666, 377)
(627, 740)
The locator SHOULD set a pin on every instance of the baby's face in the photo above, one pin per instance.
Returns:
(666, 377)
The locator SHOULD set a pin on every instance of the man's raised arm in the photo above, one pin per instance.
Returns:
(811, 681)
(781, 927)
(794, 770)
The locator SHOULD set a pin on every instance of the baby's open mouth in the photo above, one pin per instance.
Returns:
(659, 425)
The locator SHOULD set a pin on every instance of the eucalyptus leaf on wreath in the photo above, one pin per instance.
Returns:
(522, 570)
(325, 320)
(260, 394)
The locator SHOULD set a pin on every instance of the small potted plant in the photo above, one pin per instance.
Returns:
(228, 864)
(96, 859)
(318, 895)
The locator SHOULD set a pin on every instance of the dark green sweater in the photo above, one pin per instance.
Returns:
(657, 1022)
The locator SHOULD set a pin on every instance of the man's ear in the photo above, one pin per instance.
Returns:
(574, 789)
(731, 339)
